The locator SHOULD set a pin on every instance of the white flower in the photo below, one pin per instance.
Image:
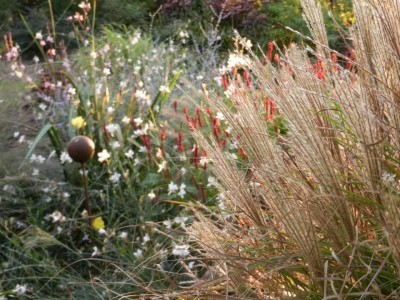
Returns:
(138, 253)
(37, 159)
(35, 172)
(115, 177)
(389, 179)
(236, 60)
(16, 134)
(95, 251)
(20, 289)
(129, 154)
(142, 149)
(138, 121)
(57, 216)
(137, 161)
(115, 145)
(112, 128)
(151, 195)
(162, 166)
(146, 238)
(103, 155)
(182, 191)
(211, 181)
(106, 71)
(181, 250)
(123, 235)
(164, 89)
(220, 116)
(126, 120)
(39, 35)
(141, 95)
(110, 110)
(191, 264)
(204, 160)
(172, 188)
(64, 157)
(43, 106)
(181, 221)
(168, 224)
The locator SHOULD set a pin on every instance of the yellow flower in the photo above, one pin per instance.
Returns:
(98, 223)
(78, 122)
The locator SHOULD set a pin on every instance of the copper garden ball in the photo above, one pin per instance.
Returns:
(81, 149)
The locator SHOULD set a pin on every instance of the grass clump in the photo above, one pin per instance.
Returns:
(312, 211)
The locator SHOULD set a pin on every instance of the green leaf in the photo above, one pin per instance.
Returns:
(161, 98)
(38, 138)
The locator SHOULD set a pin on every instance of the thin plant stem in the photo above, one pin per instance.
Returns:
(86, 203)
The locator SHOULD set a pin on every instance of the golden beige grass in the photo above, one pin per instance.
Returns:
(325, 221)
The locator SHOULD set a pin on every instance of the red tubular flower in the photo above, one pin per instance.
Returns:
(270, 49)
(216, 128)
(198, 114)
(180, 143)
(241, 153)
(246, 78)
(175, 105)
(191, 123)
(349, 62)
(147, 144)
(196, 157)
(224, 82)
(162, 139)
(334, 60)
(277, 59)
(269, 109)
(107, 135)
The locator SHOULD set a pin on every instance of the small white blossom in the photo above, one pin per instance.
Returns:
(181, 221)
(138, 253)
(204, 160)
(126, 120)
(182, 191)
(172, 188)
(115, 177)
(123, 235)
(65, 158)
(115, 145)
(220, 116)
(95, 251)
(168, 224)
(146, 238)
(138, 121)
(151, 195)
(112, 128)
(103, 155)
(35, 172)
(164, 89)
(129, 154)
(162, 166)
(143, 149)
(39, 35)
(181, 250)
(20, 289)
(37, 159)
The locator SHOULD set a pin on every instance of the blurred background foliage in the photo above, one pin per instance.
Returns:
(259, 20)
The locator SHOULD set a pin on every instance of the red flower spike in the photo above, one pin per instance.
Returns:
(180, 143)
(162, 138)
(270, 49)
(175, 105)
(241, 153)
(198, 113)
(196, 157)
(246, 78)
(269, 109)
(224, 82)
(107, 135)
(277, 59)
